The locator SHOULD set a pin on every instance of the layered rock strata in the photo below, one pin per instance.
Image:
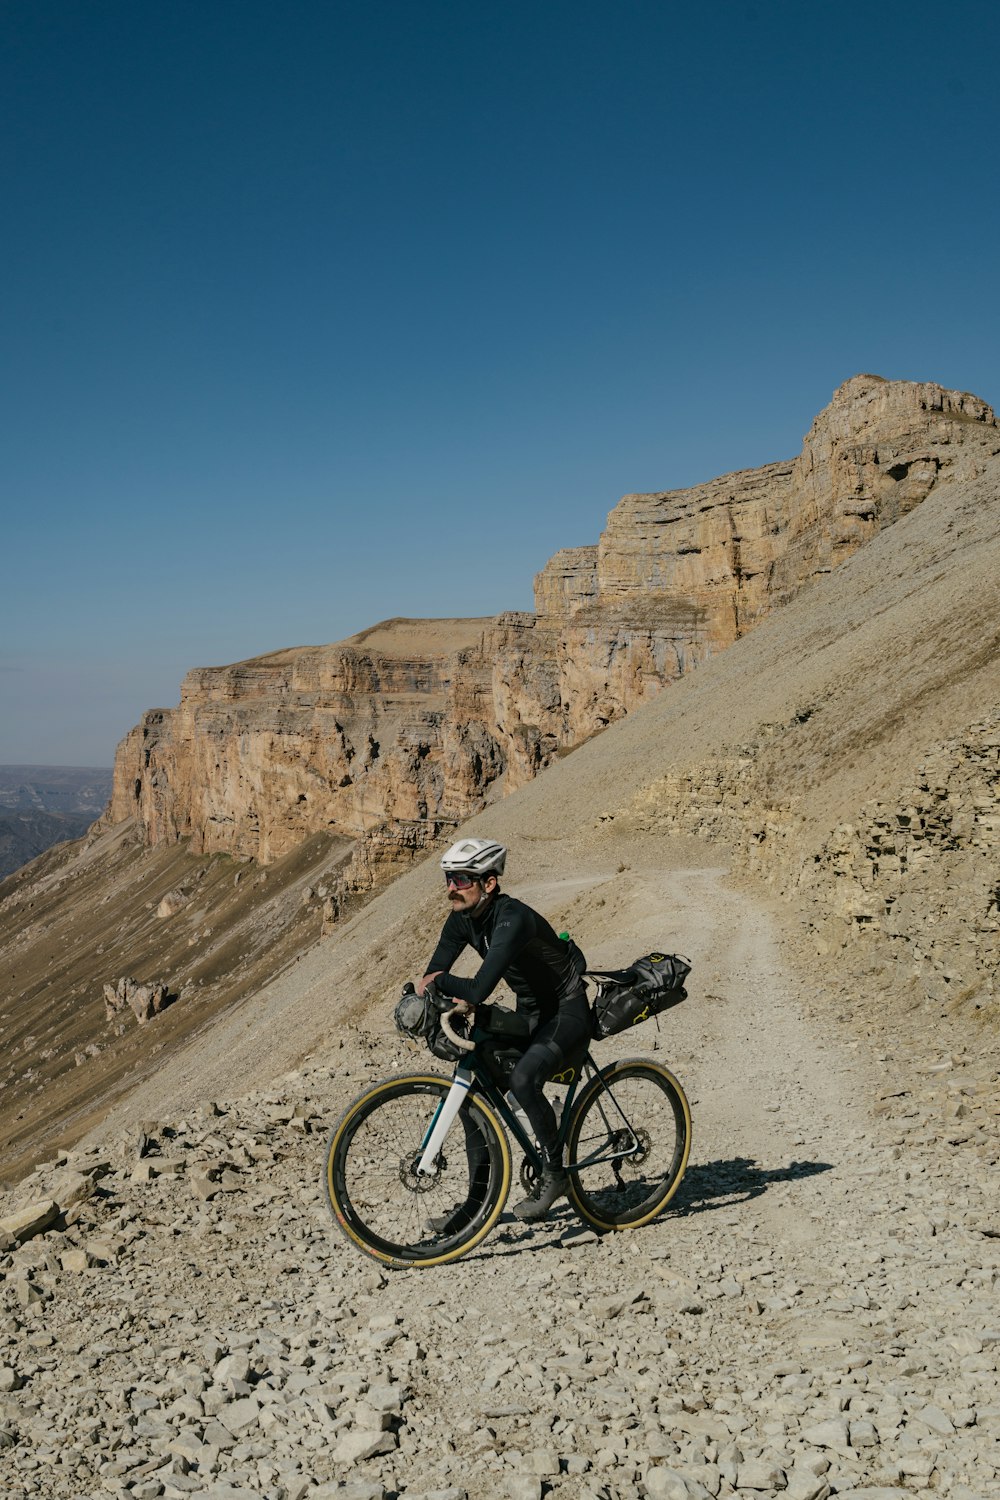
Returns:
(391, 735)
(261, 755)
(682, 574)
(919, 873)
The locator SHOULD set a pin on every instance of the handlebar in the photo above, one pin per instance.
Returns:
(458, 1009)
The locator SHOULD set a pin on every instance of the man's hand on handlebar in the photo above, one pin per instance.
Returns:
(443, 1002)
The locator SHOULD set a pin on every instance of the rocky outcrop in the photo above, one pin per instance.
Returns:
(919, 874)
(261, 755)
(144, 1000)
(396, 733)
(682, 574)
(922, 871)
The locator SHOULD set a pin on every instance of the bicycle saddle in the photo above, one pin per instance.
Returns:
(616, 976)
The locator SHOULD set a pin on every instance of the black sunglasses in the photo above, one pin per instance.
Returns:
(460, 882)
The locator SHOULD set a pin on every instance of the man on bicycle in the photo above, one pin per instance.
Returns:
(518, 945)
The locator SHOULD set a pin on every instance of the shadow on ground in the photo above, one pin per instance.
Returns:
(708, 1186)
(721, 1184)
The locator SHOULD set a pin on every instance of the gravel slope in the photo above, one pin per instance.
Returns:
(816, 1313)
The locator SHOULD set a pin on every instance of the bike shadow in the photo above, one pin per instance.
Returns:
(725, 1183)
(706, 1188)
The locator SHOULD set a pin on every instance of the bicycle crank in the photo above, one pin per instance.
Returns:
(529, 1177)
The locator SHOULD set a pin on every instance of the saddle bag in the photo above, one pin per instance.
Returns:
(627, 997)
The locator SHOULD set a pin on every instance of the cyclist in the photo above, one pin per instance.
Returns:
(544, 971)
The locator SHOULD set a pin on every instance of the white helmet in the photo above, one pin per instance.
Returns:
(475, 857)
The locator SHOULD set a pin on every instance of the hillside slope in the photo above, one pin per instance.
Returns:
(844, 752)
(833, 703)
(90, 913)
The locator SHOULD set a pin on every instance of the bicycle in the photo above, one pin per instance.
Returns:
(419, 1167)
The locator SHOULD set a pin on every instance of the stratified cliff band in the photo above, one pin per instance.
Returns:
(389, 736)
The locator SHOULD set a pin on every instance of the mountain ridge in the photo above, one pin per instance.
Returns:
(403, 725)
(45, 805)
(758, 760)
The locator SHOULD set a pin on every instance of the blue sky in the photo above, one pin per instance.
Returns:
(319, 313)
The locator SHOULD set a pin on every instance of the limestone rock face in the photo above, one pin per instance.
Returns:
(681, 574)
(390, 736)
(263, 754)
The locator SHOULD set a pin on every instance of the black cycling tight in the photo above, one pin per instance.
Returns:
(552, 1046)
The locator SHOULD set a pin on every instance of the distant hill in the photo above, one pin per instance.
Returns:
(43, 805)
(23, 835)
(83, 790)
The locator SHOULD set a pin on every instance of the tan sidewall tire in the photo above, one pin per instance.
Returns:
(628, 1065)
(391, 1085)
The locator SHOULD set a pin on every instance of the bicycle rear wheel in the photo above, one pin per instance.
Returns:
(381, 1202)
(628, 1145)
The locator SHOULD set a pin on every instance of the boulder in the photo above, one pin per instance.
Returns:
(27, 1222)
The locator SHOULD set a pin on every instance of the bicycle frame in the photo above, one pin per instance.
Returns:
(471, 1075)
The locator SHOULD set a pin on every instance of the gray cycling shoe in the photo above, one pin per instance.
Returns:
(447, 1223)
(553, 1186)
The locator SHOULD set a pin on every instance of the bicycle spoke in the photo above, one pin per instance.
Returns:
(629, 1145)
(381, 1199)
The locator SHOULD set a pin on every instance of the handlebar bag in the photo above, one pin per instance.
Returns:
(419, 1018)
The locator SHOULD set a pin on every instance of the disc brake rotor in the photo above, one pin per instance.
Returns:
(419, 1182)
(635, 1146)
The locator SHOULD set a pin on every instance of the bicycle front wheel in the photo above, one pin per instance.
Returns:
(387, 1208)
(628, 1145)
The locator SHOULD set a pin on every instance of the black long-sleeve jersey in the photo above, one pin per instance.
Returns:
(516, 944)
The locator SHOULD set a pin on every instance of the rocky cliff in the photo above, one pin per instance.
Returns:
(844, 753)
(325, 739)
(680, 575)
(390, 736)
